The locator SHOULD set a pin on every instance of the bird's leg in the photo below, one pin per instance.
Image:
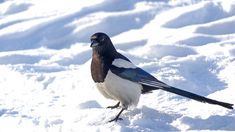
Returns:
(115, 106)
(117, 117)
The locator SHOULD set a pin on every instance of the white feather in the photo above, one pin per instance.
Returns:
(104, 90)
(125, 91)
(123, 63)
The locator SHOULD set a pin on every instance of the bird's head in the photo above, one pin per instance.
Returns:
(101, 43)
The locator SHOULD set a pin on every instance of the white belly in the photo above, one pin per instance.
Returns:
(114, 87)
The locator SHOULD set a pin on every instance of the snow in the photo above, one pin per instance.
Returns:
(45, 57)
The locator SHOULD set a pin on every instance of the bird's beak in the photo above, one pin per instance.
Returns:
(94, 43)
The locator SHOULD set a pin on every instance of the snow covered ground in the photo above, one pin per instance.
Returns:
(45, 82)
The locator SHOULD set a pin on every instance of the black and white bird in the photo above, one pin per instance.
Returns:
(117, 78)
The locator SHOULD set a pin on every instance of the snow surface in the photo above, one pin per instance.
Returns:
(45, 82)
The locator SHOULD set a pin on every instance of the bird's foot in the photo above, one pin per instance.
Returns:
(115, 106)
(117, 117)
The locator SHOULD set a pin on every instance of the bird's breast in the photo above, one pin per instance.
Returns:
(99, 68)
(104, 90)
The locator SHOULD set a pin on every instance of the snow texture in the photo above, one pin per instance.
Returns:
(45, 57)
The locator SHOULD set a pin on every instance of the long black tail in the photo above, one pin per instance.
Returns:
(153, 85)
(197, 97)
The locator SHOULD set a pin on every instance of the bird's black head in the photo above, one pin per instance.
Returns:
(101, 43)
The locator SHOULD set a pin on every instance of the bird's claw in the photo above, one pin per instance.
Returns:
(115, 106)
(112, 107)
(115, 119)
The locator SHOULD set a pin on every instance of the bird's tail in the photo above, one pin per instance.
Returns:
(160, 85)
(197, 97)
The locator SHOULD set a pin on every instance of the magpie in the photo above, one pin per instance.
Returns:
(117, 78)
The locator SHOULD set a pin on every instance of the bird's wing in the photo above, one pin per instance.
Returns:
(124, 68)
(137, 75)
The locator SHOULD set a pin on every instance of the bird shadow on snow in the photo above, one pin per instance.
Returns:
(148, 119)
(139, 119)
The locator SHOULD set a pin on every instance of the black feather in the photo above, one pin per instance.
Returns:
(163, 86)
